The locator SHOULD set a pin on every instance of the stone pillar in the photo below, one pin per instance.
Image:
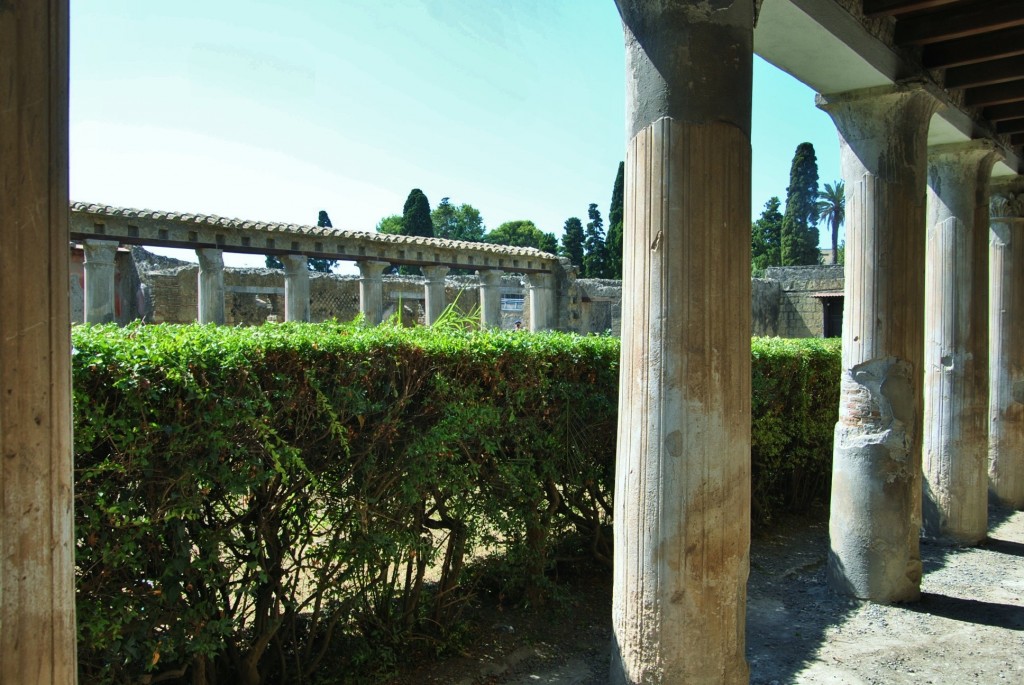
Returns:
(875, 517)
(371, 291)
(296, 287)
(37, 571)
(955, 429)
(99, 280)
(433, 292)
(682, 483)
(490, 298)
(1006, 351)
(542, 301)
(211, 285)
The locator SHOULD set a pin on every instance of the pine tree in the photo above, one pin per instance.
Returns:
(416, 215)
(766, 237)
(613, 241)
(321, 264)
(596, 257)
(457, 223)
(800, 224)
(572, 241)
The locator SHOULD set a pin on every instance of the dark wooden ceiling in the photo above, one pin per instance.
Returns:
(978, 43)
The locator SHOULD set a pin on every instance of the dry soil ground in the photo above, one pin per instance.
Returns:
(967, 628)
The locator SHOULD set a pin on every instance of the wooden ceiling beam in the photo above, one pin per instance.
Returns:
(990, 46)
(985, 73)
(894, 8)
(1010, 126)
(1003, 112)
(960, 21)
(998, 94)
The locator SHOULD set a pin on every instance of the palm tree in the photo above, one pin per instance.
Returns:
(832, 210)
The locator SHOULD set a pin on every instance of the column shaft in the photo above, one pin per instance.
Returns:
(296, 287)
(37, 571)
(211, 286)
(542, 301)
(955, 439)
(1006, 333)
(99, 280)
(682, 485)
(371, 291)
(876, 473)
(433, 291)
(490, 298)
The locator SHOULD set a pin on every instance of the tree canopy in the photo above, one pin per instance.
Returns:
(462, 222)
(416, 215)
(613, 241)
(800, 223)
(766, 238)
(391, 224)
(832, 211)
(522, 233)
(572, 241)
(596, 258)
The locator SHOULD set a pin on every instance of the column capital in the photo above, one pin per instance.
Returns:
(100, 251)
(434, 274)
(1006, 201)
(539, 280)
(490, 277)
(294, 263)
(372, 270)
(969, 152)
(210, 258)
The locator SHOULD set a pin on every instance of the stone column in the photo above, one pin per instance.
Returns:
(490, 298)
(371, 291)
(433, 292)
(296, 287)
(955, 439)
(542, 301)
(1006, 351)
(37, 570)
(875, 517)
(682, 484)
(99, 280)
(211, 285)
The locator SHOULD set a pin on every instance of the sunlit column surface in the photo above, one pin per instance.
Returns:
(433, 292)
(99, 280)
(542, 301)
(1006, 339)
(682, 483)
(490, 298)
(371, 291)
(296, 287)
(875, 517)
(211, 285)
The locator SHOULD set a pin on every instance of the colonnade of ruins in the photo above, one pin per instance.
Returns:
(913, 442)
(99, 289)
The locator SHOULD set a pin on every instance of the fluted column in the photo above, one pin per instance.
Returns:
(371, 291)
(682, 482)
(433, 290)
(875, 517)
(955, 440)
(296, 287)
(1006, 339)
(211, 285)
(37, 570)
(542, 301)
(490, 298)
(99, 280)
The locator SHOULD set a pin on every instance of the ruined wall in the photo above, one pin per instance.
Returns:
(765, 302)
(800, 313)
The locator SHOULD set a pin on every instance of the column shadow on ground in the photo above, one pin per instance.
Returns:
(975, 611)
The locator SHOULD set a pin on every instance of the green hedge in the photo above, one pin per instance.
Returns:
(278, 503)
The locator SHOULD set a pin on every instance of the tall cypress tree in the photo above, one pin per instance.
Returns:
(596, 257)
(572, 241)
(416, 215)
(322, 264)
(613, 241)
(765, 238)
(800, 224)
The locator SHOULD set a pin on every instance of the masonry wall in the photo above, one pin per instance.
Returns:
(801, 315)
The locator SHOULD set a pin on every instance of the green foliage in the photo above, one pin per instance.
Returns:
(799, 225)
(391, 225)
(416, 215)
(613, 241)
(832, 211)
(766, 238)
(522, 233)
(266, 504)
(572, 241)
(457, 223)
(595, 261)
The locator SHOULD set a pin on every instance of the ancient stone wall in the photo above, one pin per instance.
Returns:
(801, 314)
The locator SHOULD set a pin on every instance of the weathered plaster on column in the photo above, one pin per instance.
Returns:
(682, 487)
(99, 280)
(490, 298)
(433, 292)
(1006, 340)
(955, 439)
(371, 291)
(542, 301)
(296, 287)
(875, 514)
(211, 285)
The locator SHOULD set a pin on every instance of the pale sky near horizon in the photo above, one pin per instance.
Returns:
(274, 110)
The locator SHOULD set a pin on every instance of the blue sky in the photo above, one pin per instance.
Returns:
(274, 110)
